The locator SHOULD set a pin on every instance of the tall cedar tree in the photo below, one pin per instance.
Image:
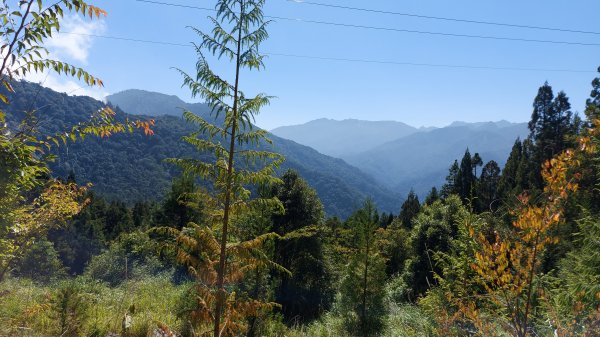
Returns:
(508, 179)
(362, 288)
(462, 179)
(308, 291)
(550, 126)
(487, 195)
(239, 29)
(590, 190)
(466, 177)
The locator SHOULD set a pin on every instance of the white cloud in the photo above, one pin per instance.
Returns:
(76, 40)
(67, 85)
(75, 49)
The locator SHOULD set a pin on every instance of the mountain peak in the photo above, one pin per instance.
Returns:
(149, 103)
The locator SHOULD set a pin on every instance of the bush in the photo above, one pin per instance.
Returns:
(133, 256)
(40, 263)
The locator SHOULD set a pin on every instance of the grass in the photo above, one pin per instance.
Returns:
(32, 310)
(28, 309)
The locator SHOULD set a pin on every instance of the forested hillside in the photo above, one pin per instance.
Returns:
(204, 225)
(132, 167)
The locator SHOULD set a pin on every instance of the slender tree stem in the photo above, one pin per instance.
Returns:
(228, 189)
(16, 38)
(530, 285)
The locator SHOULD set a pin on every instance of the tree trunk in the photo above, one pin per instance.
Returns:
(223, 254)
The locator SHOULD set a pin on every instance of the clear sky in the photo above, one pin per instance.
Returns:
(308, 89)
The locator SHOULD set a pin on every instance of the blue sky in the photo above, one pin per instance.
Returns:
(307, 89)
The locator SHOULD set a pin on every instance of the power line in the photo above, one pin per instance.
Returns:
(427, 64)
(390, 29)
(339, 59)
(567, 30)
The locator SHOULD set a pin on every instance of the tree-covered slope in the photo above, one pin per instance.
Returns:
(131, 167)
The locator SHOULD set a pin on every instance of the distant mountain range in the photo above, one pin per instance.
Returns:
(131, 167)
(402, 157)
(346, 137)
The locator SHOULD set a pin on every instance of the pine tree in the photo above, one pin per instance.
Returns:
(239, 29)
(181, 205)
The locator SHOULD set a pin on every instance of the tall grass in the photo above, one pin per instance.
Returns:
(27, 309)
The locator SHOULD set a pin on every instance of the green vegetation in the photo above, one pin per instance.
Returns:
(231, 249)
(131, 167)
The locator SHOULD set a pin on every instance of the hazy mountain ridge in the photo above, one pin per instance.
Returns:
(412, 158)
(421, 160)
(345, 137)
(131, 167)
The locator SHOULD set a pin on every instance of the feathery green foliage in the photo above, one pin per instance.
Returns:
(238, 30)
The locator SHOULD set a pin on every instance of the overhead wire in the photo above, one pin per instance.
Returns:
(338, 59)
(390, 29)
(441, 18)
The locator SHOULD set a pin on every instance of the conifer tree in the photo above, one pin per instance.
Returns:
(477, 161)
(550, 126)
(507, 181)
(239, 29)
(452, 185)
(432, 196)
(466, 177)
(488, 186)
(592, 110)
(410, 208)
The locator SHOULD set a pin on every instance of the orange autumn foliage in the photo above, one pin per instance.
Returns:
(507, 264)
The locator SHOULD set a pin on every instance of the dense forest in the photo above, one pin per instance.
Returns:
(229, 241)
